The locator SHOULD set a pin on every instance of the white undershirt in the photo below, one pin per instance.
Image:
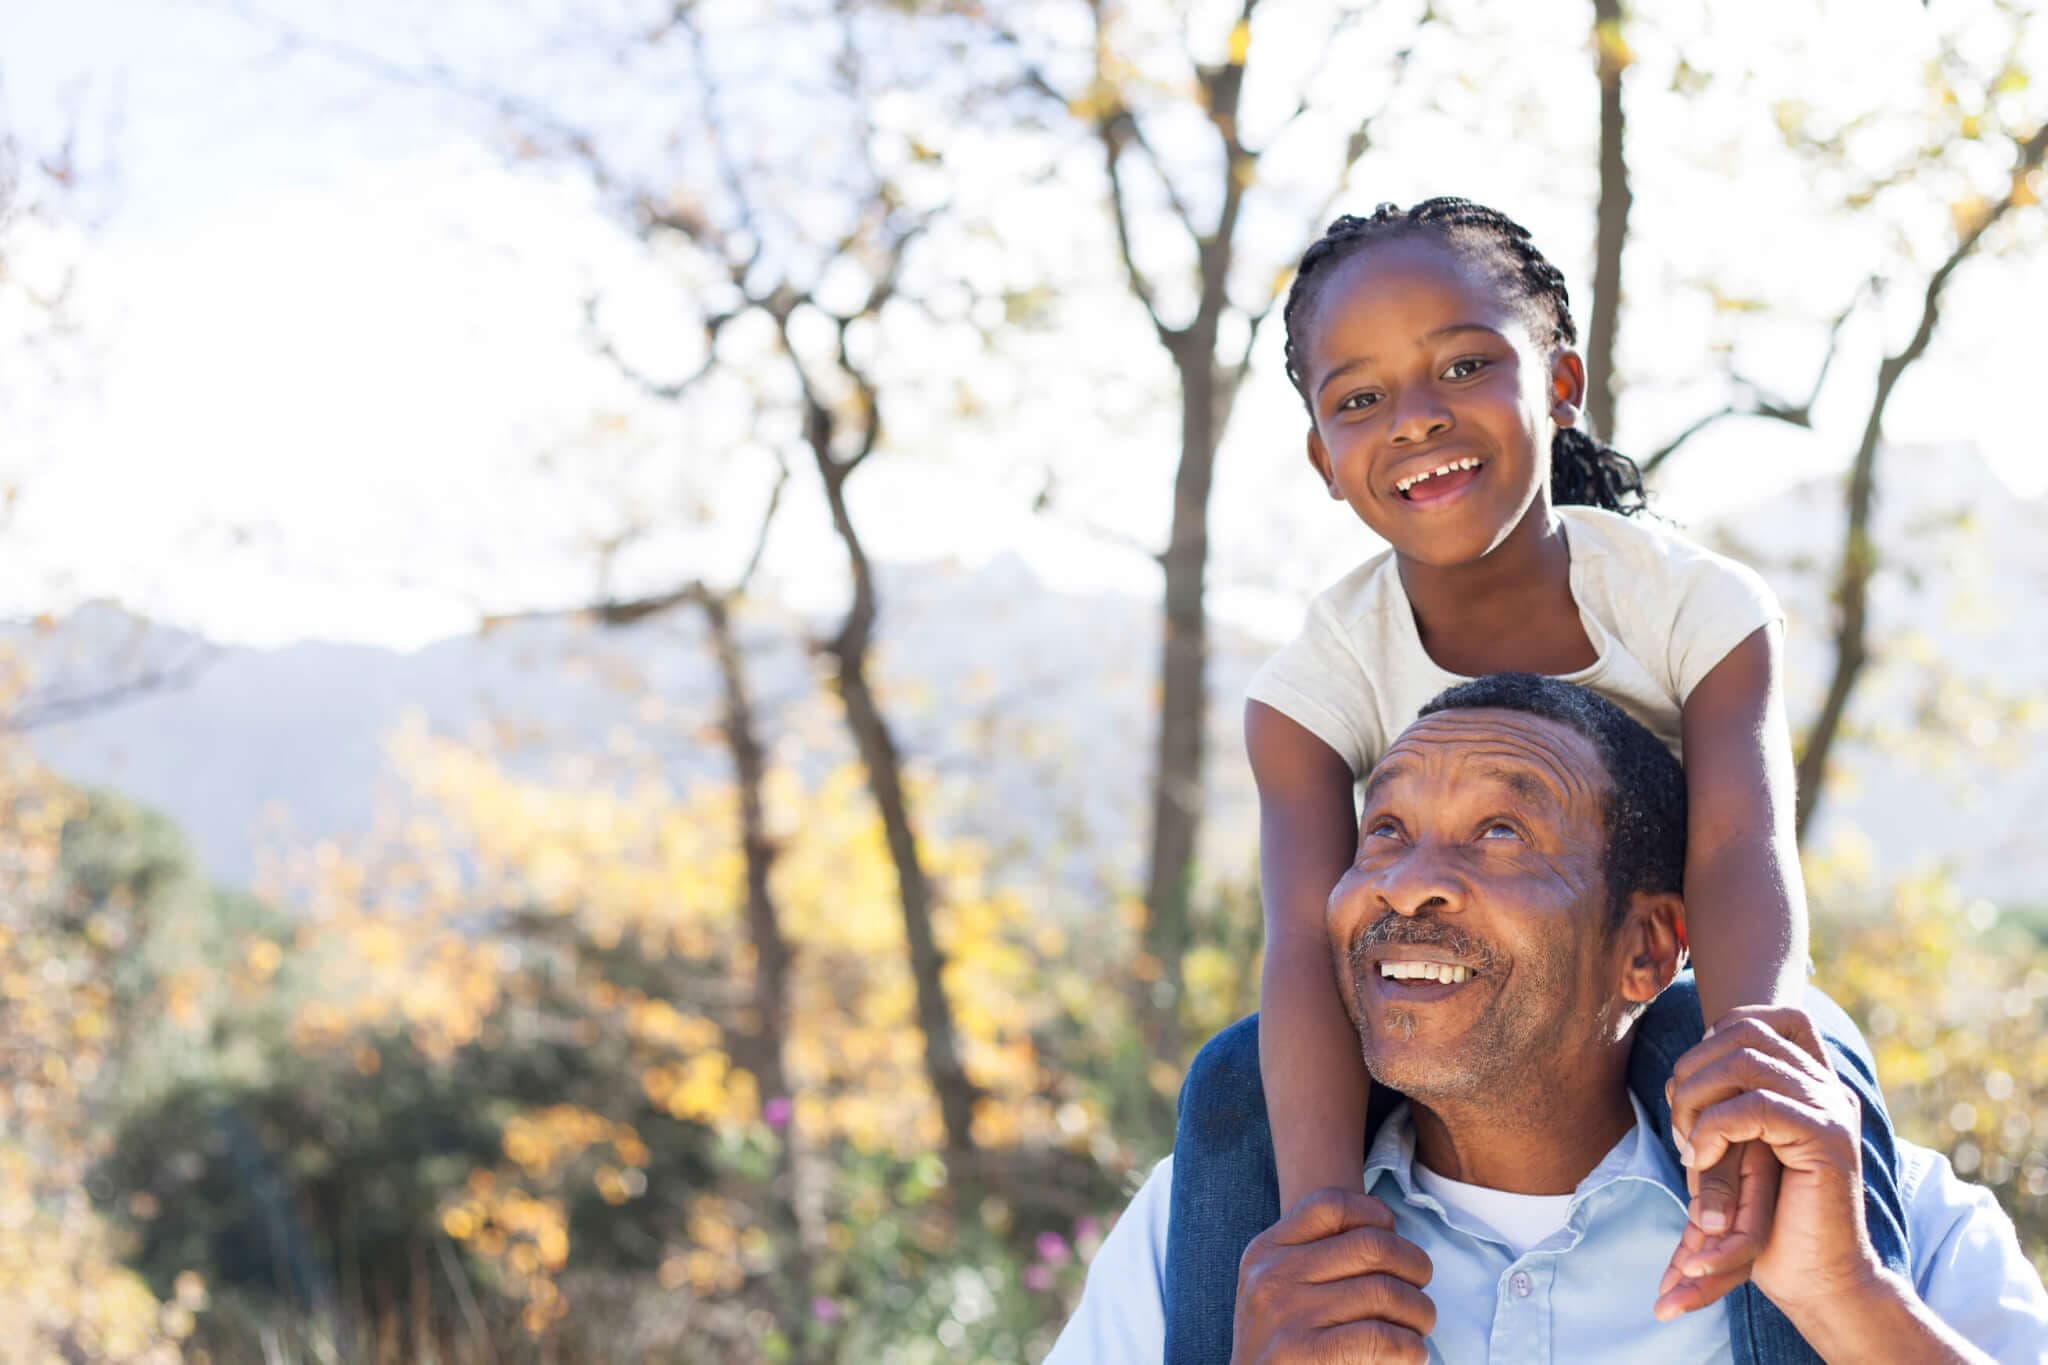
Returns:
(1521, 1220)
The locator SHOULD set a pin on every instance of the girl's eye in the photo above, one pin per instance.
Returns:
(1500, 829)
(1358, 402)
(1466, 368)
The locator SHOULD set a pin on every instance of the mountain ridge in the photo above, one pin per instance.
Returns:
(1029, 709)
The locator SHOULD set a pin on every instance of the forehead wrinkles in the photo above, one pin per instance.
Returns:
(1491, 738)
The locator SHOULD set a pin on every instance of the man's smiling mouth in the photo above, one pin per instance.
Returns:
(1446, 972)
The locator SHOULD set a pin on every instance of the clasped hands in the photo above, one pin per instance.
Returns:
(1332, 1282)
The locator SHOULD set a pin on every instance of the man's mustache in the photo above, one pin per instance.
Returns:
(1421, 931)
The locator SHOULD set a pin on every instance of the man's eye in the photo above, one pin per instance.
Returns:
(1501, 829)
(1466, 368)
(1383, 829)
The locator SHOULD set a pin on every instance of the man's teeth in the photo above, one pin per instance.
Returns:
(1453, 467)
(1425, 971)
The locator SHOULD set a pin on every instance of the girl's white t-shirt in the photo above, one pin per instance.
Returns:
(1659, 610)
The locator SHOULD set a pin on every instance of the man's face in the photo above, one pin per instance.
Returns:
(1470, 934)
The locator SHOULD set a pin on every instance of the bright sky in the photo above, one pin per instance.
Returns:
(328, 338)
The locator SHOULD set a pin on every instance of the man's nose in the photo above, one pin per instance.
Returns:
(1417, 881)
(1419, 414)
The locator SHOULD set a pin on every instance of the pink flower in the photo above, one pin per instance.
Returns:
(1038, 1277)
(1087, 1229)
(777, 1112)
(1052, 1248)
(824, 1309)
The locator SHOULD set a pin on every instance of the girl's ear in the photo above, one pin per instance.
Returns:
(1319, 456)
(1567, 387)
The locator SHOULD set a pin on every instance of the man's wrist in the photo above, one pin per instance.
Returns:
(1876, 1317)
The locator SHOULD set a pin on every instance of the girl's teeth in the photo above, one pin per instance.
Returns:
(1452, 468)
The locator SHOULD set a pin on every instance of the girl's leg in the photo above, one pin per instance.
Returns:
(1226, 1191)
(1671, 1025)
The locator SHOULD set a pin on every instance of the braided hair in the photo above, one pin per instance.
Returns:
(1582, 470)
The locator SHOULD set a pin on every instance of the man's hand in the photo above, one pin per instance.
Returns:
(1763, 1079)
(1333, 1283)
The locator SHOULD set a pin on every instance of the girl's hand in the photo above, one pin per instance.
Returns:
(1763, 1080)
(1743, 1188)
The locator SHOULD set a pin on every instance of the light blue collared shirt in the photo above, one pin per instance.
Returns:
(1591, 1285)
(1583, 1293)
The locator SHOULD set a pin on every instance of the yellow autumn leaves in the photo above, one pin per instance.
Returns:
(62, 1283)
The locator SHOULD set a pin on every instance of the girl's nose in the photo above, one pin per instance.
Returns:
(1419, 417)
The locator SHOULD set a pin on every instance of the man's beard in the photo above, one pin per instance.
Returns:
(1495, 1055)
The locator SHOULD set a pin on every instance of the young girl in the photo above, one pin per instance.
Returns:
(1434, 349)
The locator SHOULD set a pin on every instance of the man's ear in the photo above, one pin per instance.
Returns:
(1650, 940)
(1319, 456)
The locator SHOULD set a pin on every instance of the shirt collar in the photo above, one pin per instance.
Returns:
(1639, 1156)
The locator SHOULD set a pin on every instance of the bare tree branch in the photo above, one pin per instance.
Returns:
(1346, 21)
(1859, 549)
(612, 611)
(39, 714)
(438, 78)
(767, 521)
(1184, 215)
(601, 342)
(1112, 136)
(1755, 403)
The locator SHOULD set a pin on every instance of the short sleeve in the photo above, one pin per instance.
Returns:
(1316, 681)
(1720, 604)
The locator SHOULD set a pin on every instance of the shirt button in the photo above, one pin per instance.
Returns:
(1519, 1282)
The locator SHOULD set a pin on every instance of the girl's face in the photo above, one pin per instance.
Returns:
(1434, 404)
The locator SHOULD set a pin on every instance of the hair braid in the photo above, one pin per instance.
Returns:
(1582, 470)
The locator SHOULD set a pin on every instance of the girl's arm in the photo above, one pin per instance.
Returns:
(1745, 901)
(1309, 1058)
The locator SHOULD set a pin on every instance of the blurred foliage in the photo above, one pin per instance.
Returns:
(483, 1098)
(64, 1291)
(1952, 996)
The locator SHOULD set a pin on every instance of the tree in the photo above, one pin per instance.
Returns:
(763, 1045)
(794, 283)
(1612, 58)
(1971, 108)
(1144, 84)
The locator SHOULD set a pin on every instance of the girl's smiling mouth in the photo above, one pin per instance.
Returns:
(1438, 481)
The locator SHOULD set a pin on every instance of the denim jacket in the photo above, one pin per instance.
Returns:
(1226, 1192)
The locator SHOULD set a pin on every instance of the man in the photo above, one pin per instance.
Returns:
(1519, 1208)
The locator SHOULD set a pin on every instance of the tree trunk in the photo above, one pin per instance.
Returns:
(1183, 704)
(1852, 597)
(1612, 215)
(881, 760)
(766, 1041)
